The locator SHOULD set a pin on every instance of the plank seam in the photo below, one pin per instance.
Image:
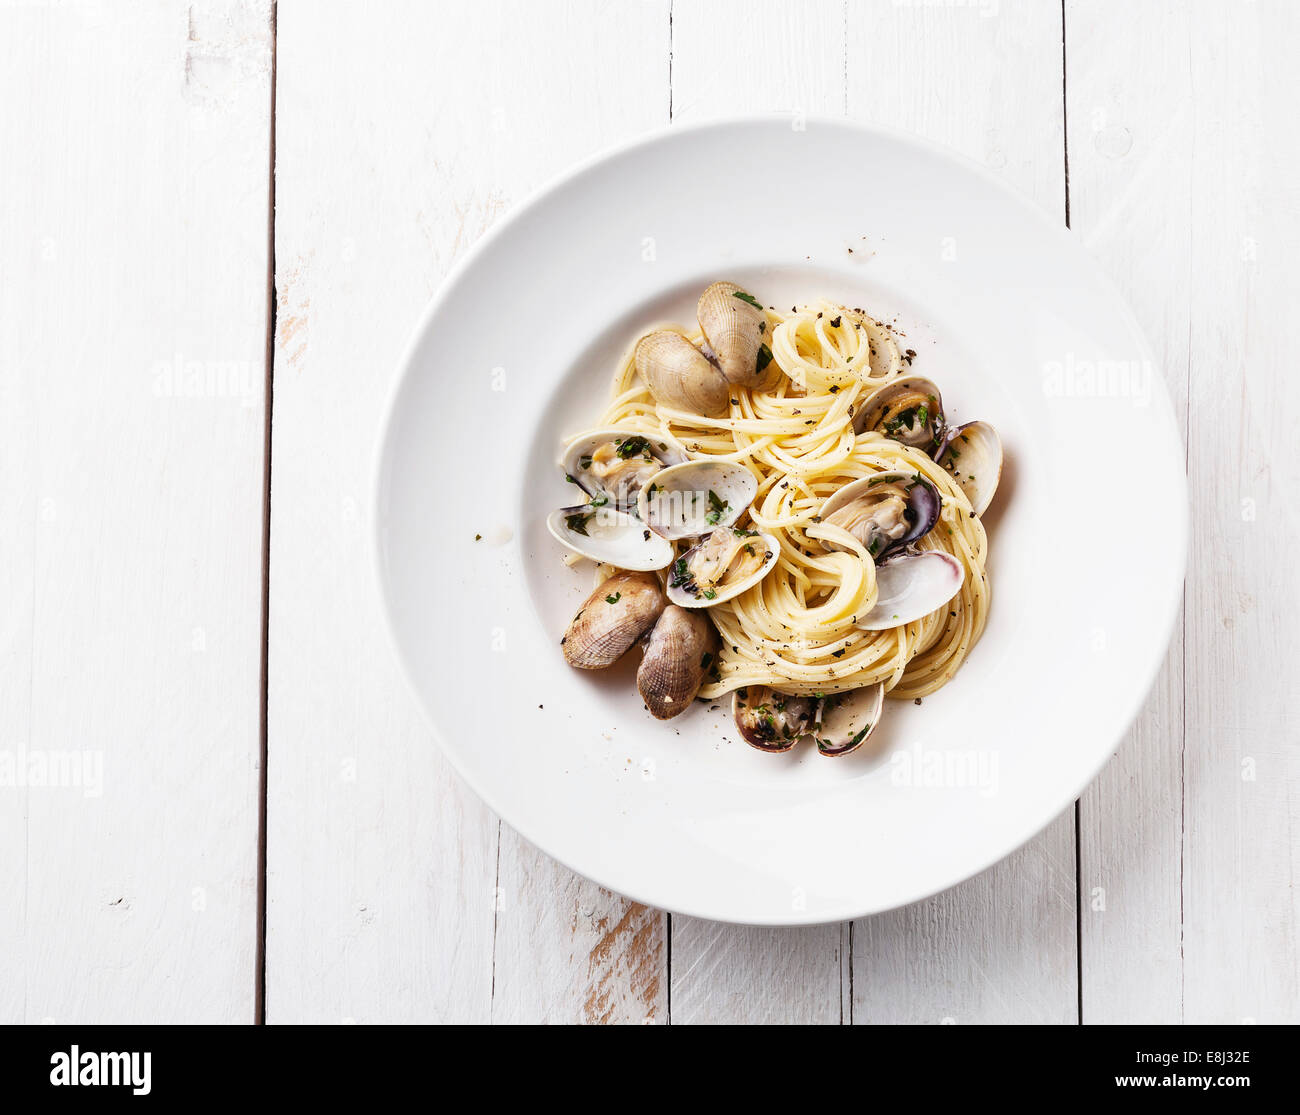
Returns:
(259, 993)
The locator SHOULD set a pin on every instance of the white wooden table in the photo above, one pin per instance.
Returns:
(221, 222)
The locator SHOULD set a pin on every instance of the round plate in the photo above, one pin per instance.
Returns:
(1017, 326)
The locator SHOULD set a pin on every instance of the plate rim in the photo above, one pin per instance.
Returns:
(852, 909)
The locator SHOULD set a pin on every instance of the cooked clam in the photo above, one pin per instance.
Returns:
(597, 531)
(911, 587)
(679, 651)
(886, 512)
(908, 410)
(611, 619)
(772, 721)
(618, 463)
(845, 721)
(679, 375)
(839, 722)
(724, 564)
(973, 454)
(696, 497)
(735, 327)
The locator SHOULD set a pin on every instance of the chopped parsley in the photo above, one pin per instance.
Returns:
(578, 523)
(717, 508)
(764, 357)
(747, 298)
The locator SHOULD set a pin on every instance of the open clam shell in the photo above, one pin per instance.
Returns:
(617, 464)
(772, 721)
(722, 565)
(973, 454)
(840, 723)
(696, 497)
(912, 586)
(604, 534)
(886, 512)
(845, 721)
(908, 410)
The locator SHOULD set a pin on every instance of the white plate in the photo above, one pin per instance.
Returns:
(1009, 317)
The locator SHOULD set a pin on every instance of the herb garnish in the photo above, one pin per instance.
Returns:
(630, 447)
(747, 298)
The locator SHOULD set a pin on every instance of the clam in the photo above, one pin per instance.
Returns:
(597, 531)
(723, 564)
(886, 512)
(679, 375)
(618, 463)
(845, 721)
(734, 325)
(973, 454)
(611, 619)
(679, 651)
(912, 587)
(772, 721)
(696, 497)
(908, 410)
(839, 722)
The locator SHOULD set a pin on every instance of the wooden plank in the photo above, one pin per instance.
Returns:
(1240, 896)
(569, 952)
(728, 58)
(391, 896)
(133, 311)
(986, 80)
(1131, 148)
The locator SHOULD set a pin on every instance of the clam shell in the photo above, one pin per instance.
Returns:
(845, 721)
(676, 658)
(735, 328)
(610, 536)
(973, 454)
(576, 461)
(923, 500)
(772, 721)
(679, 375)
(878, 411)
(696, 497)
(911, 587)
(611, 619)
(685, 593)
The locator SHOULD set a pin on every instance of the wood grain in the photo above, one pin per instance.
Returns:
(1130, 200)
(986, 80)
(392, 897)
(731, 57)
(133, 317)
